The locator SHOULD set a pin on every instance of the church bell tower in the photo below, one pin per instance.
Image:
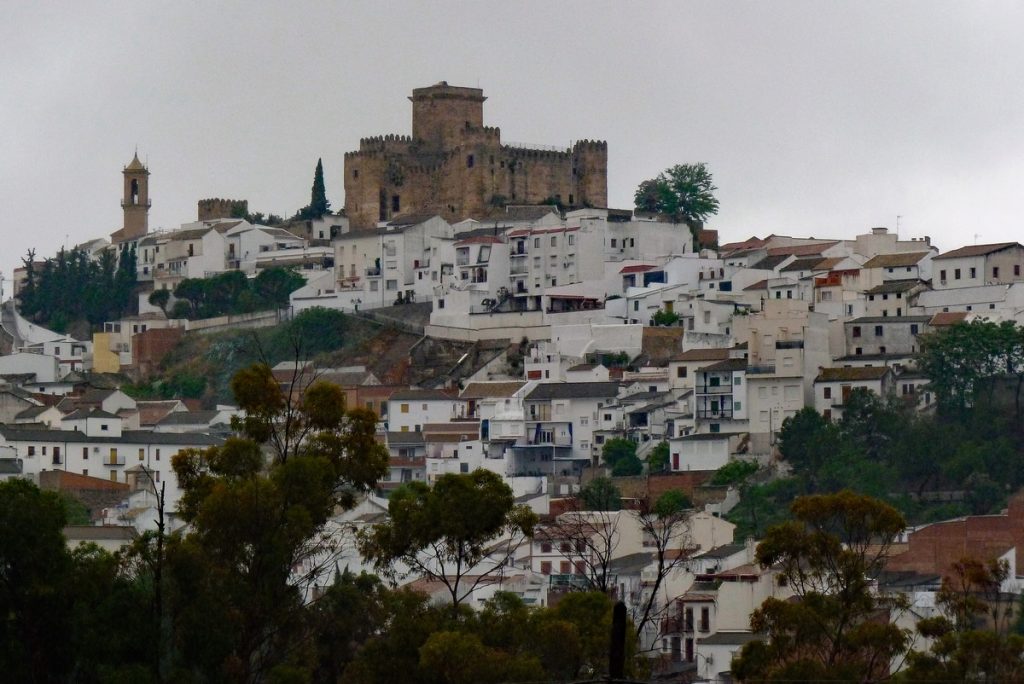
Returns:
(135, 202)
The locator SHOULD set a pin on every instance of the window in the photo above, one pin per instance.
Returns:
(736, 381)
(615, 243)
(85, 453)
(113, 476)
(103, 427)
(827, 392)
(856, 331)
(396, 203)
(463, 467)
(469, 161)
(942, 275)
(1016, 269)
(956, 274)
(681, 372)
(31, 451)
(738, 406)
(545, 567)
(355, 173)
(974, 273)
(878, 331)
(391, 285)
(858, 351)
(142, 453)
(995, 271)
(565, 567)
(536, 243)
(913, 328)
(554, 240)
(158, 454)
(572, 238)
(44, 451)
(405, 408)
(565, 547)
(440, 303)
(705, 619)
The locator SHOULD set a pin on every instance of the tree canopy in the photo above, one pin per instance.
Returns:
(103, 287)
(828, 556)
(232, 292)
(684, 191)
(459, 532)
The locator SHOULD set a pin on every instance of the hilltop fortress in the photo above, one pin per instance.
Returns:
(456, 167)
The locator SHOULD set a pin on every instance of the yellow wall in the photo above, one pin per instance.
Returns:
(103, 359)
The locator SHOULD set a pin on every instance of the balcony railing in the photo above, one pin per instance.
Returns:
(723, 413)
(135, 203)
(373, 273)
(761, 369)
(714, 389)
(114, 460)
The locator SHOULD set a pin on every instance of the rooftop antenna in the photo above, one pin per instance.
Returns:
(898, 217)
(976, 238)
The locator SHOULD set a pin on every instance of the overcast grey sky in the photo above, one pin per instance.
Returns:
(816, 118)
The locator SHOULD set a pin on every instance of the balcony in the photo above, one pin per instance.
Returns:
(373, 273)
(761, 369)
(135, 203)
(714, 389)
(519, 268)
(715, 414)
(113, 460)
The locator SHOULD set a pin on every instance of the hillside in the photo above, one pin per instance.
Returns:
(201, 366)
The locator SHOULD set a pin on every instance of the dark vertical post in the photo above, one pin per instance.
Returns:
(617, 651)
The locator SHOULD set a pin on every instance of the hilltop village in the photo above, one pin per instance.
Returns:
(536, 334)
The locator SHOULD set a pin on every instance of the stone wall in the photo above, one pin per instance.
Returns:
(217, 208)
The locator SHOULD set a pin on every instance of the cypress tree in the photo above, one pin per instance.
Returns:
(318, 204)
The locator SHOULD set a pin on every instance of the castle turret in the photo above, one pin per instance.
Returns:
(441, 111)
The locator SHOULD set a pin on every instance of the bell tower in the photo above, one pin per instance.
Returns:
(135, 202)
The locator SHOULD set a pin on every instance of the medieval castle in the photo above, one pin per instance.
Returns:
(456, 167)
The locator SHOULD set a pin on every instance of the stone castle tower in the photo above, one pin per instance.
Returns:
(455, 166)
(135, 202)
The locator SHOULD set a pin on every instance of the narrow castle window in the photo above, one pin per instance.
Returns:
(135, 191)
(355, 173)
(396, 203)
(469, 161)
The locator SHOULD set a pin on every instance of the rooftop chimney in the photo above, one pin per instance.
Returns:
(879, 230)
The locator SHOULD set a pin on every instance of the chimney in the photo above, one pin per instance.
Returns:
(879, 230)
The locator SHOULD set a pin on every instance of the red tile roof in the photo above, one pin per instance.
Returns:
(977, 250)
(637, 268)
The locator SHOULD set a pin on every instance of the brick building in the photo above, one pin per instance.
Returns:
(455, 166)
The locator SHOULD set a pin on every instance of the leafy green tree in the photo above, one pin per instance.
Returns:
(665, 318)
(600, 494)
(806, 438)
(160, 299)
(658, 459)
(733, 472)
(963, 362)
(274, 285)
(620, 455)
(35, 569)
(236, 595)
(684, 191)
(446, 532)
(828, 555)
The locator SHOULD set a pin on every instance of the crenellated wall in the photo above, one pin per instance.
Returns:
(216, 208)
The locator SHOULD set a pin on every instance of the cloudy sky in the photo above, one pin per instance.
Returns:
(816, 118)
